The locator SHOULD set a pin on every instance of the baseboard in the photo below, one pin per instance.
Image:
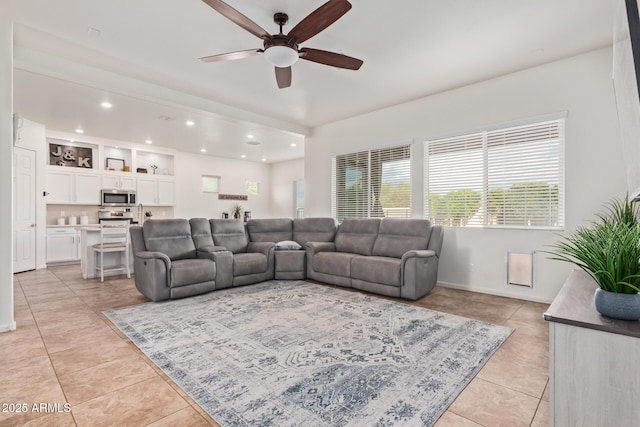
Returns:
(8, 327)
(489, 291)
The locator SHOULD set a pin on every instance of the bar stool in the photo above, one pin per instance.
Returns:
(114, 238)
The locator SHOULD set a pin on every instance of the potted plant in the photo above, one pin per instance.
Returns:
(237, 210)
(609, 251)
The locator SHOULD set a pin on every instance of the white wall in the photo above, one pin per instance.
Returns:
(32, 137)
(283, 174)
(7, 321)
(191, 202)
(581, 86)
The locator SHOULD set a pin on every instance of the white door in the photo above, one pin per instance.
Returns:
(24, 210)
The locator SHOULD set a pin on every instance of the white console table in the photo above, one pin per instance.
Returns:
(593, 361)
(90, 236)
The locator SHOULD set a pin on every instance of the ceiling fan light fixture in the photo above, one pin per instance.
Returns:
(281, 56)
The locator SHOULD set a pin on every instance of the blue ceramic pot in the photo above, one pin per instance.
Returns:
(617, 306)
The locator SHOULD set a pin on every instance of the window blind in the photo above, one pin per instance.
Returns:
(510, 177)
(371, 184)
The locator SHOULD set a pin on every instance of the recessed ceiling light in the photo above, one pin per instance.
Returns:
(293, 144)
(203, 150)
(106, 105)
(79, 130)
(189, 123)
(250, 136)
(243, 156)
(148, 141)
(264, 160)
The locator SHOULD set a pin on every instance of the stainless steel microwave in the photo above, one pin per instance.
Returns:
(117, 198)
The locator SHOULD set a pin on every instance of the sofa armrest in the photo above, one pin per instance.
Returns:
(152, 274)
(315, 247)
(206, 251)
(417, 254)
(148, 255)
(261, 247)
(419, 273)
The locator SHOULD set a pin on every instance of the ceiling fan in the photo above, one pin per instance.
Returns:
(282, 50)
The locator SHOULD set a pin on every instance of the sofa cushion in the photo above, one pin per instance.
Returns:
(357, 236)
(172, 237)
(384, 270)
(190, 271)
(335, 263)
(397, 236)
(201, 232)
(249, 263)
(230, 234)
(314, 230)
(270, 230)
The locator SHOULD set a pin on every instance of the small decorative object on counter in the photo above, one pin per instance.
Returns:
(148, 215)
(225, 215)
(62, 218)
(153, 167)
(73, 220)
(84, 219)
(247, 216)
(237, 210)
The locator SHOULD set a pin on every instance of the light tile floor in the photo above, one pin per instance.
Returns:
(66, 351)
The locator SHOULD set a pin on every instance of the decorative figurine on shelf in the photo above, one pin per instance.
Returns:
(237, 210)
(247, 216)
(153, 166)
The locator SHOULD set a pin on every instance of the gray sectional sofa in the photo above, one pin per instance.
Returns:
(176, 258)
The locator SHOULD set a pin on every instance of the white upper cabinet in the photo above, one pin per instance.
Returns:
(156, 192)
(68, 187)
(118, 182)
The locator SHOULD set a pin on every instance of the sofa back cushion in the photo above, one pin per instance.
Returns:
(270, 230)
(172, 237)
(230, 234)
(357, 236)
(201, 232)
(314, 230)
(397, 236)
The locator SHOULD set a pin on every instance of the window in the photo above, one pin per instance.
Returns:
(210, 184)
(370, 184)
(511, 177)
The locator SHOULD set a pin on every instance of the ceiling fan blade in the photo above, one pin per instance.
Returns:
(319, 19)
(283, 77)
(231, 56)
(330, 58)
(237, 17)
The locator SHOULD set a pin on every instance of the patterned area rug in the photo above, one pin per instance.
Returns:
(292, 353)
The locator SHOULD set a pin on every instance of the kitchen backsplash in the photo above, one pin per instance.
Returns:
(55, 211)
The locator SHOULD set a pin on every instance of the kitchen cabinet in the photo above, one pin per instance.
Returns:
(118, 182)
(70, 187)
(63, 244)
(156, 192)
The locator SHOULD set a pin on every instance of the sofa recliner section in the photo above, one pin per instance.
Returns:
(165, 261)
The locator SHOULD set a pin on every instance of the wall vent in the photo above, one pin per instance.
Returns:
(520, 269)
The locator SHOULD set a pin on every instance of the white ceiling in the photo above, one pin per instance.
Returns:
(144, 61)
